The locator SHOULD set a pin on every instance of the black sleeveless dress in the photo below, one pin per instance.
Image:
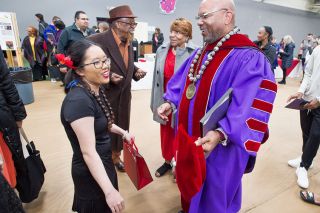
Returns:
(88, 196)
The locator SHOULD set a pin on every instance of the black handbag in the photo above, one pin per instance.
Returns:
(30, 181)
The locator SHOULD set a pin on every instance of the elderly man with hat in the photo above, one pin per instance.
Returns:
(116, 43)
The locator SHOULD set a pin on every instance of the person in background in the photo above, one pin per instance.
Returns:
(94, 28)
(50, 39)
(77, 31)
(50, 32)
(277, 46)
(42, 24)
(117, 45)
(33, 51)
(103, 26)
(88, 120)
(286, 56)
(12, 114)
(309, 118)
(169, 58)
(264, 43)
(306, 47)
(157, 39)
(59, 25)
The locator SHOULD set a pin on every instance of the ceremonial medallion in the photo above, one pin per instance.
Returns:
(191, 90)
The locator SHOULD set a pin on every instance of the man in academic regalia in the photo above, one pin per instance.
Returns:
(227, 60)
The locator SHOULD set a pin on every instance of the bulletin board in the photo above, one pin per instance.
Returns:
(7, 32)
(9, 37)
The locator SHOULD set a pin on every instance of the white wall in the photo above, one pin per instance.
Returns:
(250, 15)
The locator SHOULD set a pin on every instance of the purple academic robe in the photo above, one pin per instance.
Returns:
(248, 72)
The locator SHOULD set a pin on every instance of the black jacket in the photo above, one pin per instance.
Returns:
(269, 51)
(10, 101)
(69, 35)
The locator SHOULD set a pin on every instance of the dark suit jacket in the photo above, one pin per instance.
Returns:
(119, 95)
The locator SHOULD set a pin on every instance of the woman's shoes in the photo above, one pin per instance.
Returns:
(308, 197)
(163, 169)
(282, 82)
(120, 166)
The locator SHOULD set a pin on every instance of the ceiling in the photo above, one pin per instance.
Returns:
(308, 5)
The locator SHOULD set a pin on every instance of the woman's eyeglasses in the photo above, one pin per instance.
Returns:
(99, 64)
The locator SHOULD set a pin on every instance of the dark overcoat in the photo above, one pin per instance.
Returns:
(287, 55)
(119, 95)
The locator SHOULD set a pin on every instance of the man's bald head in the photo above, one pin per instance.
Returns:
(217, 4)
(216, 18)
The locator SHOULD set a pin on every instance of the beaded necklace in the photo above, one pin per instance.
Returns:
(105, 106)
(193, 76)
(103, 103)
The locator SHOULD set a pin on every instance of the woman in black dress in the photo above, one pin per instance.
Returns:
(88, 120)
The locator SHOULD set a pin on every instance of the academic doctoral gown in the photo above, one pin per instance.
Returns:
(214, 184)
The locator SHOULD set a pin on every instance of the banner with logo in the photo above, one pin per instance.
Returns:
(167, 6)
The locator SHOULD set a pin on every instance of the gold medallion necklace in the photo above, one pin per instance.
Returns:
(193, 75)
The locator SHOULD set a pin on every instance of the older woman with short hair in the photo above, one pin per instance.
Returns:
(287, 56)
(169, 58)
(33, 51)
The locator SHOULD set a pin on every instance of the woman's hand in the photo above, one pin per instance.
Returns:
(127, 136)
(164, 111)
(115, 201)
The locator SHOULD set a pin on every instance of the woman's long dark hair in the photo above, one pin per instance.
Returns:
(77, 52)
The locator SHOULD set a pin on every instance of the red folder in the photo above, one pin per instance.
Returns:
(136, 166)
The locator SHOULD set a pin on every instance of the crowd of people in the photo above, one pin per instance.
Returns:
(96, 67)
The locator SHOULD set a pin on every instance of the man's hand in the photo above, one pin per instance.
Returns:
(115, 78)
(164, 111)
(140, 74)
(209, 142)
(312, 104)
(295, 96)
(63, 69)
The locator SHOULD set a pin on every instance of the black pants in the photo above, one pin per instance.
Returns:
(303, 62)
(284, 70)
(54, 72)
(310, 126)
(37, 72)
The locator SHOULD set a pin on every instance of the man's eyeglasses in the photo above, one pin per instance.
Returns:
(84, 19)
(99, 64)
(132, 24)
(208, 14)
